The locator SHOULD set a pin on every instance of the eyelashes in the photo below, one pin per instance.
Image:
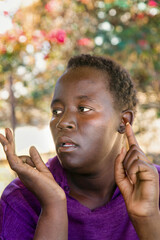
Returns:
(57, 112)
(81, 109)
(84, 109)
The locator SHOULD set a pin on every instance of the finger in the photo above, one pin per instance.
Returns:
(131, 156)
(9, 137)
(6, 144)
(3, 140)
(9, 151)
(123, 182)
(120, 174)
(37, 160)
(130, 135)
(140, 170)
(28, 160)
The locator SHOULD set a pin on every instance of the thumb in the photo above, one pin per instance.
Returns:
(37, 160)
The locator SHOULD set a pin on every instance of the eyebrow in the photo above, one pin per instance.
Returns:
(54, 101)
(82, 97)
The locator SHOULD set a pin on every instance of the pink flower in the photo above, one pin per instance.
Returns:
(57, 36)
(12, 37)
(38, 38)
(152, 3)
(140, 15)
(50, 6)
(2, 49)
(46, 56)
(61, 36)
(51, 36)
(38, 35)
(85, 1)
(84, 42)
(142, 43)
(6, 13)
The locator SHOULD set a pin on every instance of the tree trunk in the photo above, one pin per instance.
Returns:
(12, 104)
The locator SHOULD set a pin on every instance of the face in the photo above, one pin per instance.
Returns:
(84, 122)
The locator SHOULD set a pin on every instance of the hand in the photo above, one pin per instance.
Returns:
(137, 179)
(39, 180)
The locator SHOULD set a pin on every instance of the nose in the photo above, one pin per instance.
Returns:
(67, 121)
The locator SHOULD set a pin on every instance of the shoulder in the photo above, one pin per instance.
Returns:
(158, 170)
(19, 209)
(157, 167)
(17, 202)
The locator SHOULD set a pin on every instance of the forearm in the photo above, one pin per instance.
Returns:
(147, 228)
(52, 224)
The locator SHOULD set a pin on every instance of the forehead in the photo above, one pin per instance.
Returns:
(83, 78)
(83, 84)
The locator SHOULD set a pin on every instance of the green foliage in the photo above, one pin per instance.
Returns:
(46, 34)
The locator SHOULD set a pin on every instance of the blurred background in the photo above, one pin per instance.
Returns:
(37, 38)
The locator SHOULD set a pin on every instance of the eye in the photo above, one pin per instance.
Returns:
(84, 109)
(57, 112)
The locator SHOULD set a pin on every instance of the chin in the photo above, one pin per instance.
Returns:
(71, 163)
(76, 165)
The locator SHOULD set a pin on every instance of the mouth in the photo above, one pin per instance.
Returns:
(65, 144)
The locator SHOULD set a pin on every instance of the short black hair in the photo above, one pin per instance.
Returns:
(120, 82)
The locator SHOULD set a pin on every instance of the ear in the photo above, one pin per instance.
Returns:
(127, 116)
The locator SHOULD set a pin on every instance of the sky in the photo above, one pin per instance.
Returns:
(7, 10)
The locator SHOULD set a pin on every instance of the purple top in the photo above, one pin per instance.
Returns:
(19, 212)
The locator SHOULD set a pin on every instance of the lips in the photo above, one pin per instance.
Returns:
(66, 144)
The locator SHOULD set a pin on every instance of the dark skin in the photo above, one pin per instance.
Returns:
(79, 115)
(88, 132)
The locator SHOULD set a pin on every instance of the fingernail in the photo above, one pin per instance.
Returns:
(123, 150)
(5, 148)
(129, 177)
(130, 181)
(24, 160)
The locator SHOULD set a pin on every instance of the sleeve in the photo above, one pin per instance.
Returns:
(19, 214)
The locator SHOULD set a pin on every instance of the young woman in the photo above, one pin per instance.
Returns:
(94, 188)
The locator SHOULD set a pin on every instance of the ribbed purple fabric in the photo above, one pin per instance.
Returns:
(19, 212)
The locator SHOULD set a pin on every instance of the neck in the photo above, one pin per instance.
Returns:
(97, 186)
(93, 183)
(94, 189)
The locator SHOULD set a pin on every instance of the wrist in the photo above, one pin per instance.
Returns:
(52, 203)
(148, 227)
(54, 206)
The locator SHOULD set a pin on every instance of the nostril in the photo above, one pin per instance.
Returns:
(64, 124)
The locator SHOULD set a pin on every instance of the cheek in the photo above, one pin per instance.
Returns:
(96, 124)
(99, 131)
(52, 125)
